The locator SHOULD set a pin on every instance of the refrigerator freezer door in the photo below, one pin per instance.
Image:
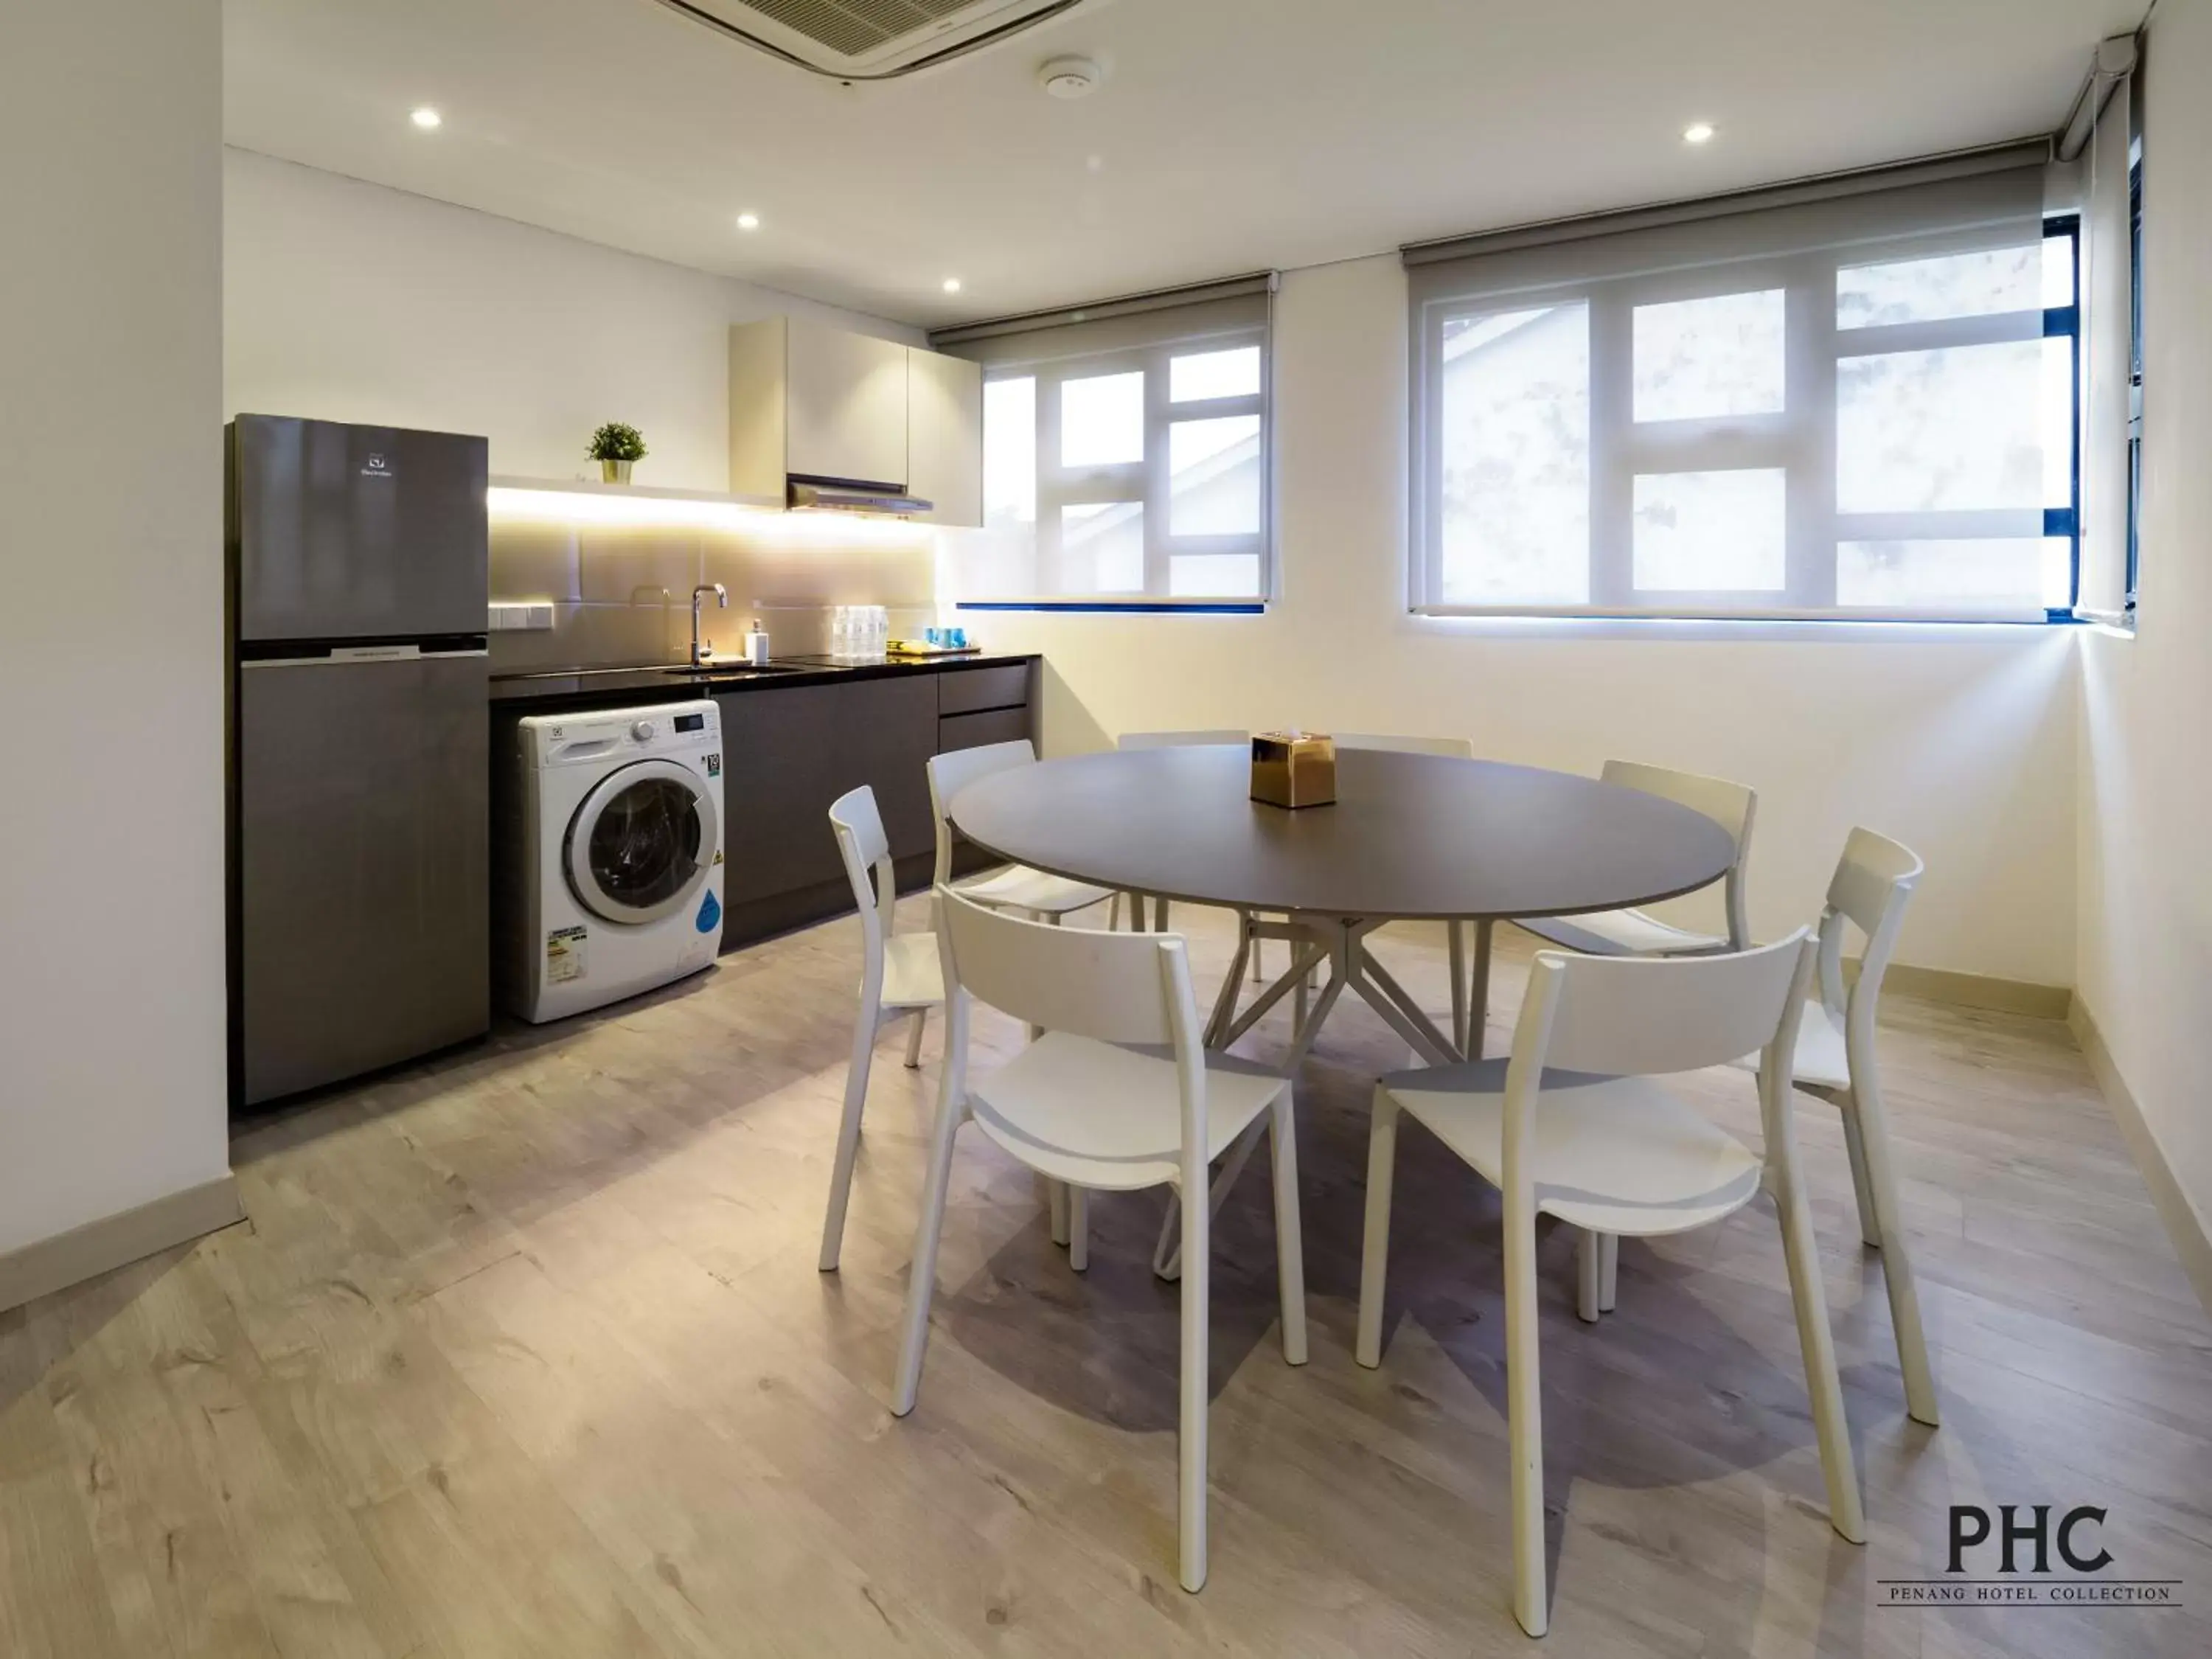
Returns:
(356, 531)
(363, 841)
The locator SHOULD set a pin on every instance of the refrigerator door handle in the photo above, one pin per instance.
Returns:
(375, 652)
(341, 656)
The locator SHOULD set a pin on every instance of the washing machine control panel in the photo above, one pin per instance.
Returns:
(563, 741)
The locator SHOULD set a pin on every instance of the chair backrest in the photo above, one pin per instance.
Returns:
(1873, 880)
(1731, 806)
(953, 771)
(866, 851)
(1648, 1015)
(1112, 986)
(1642, 1017)
(1456, 748)
(1178, 739)
(1128, 988)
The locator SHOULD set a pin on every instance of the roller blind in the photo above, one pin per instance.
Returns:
(2111, 386)
(1839, 399)
(1127, 453)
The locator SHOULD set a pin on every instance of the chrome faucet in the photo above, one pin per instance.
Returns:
(700, 648)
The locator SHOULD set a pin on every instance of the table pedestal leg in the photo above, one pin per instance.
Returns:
(1470, 1037)
(1399, 1011)
(1456, 942)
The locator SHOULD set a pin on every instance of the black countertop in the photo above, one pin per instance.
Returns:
(542, 690)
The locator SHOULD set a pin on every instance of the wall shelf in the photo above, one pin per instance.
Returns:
(587, 499)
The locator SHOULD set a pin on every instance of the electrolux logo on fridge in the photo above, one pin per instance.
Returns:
(378, 466)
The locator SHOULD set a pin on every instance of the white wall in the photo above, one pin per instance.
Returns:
(112, 1065)
(1960, 742)
(349, 301)
(2145, 888)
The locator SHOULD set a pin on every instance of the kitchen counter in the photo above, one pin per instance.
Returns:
(543, 692)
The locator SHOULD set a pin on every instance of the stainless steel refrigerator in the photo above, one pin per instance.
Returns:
(359, 732)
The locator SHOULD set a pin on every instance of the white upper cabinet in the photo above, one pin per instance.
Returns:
(944, 436)
(810, 401)
(847, 398)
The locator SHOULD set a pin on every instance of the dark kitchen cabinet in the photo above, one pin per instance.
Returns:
(787, 754)
(789, 751)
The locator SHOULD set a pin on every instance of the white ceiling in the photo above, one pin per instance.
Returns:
(1230, 136)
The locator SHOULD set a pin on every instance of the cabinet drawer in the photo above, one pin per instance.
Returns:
(964, 690)
(974, 731)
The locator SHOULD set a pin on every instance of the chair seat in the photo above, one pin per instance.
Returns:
(913, 975)
(1104, 1117)
(1821, 1060)
(1017, 887)
(1616, 1155)
(1621, 933)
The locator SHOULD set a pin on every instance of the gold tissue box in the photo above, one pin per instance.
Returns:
(1294, 768)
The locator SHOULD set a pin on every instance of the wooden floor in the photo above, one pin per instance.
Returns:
(525, 1353)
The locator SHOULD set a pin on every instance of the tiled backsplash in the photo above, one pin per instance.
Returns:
(621, 594)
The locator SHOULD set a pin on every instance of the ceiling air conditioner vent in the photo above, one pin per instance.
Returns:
(868, 39)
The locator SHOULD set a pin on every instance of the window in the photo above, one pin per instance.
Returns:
(2135, 367)
(1862, 409)
(1124, 459)
(2109, 177)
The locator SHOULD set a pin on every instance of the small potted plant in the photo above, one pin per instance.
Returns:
(614, 447)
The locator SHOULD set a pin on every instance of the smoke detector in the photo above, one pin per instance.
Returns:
(1070, 77)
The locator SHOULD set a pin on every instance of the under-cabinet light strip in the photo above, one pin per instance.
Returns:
(560, 506)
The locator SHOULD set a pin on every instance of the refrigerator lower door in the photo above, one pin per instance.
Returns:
(360, 886)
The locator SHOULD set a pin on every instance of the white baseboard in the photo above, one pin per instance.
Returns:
(53, 1264)
(2184, 1223)
(2007, 996)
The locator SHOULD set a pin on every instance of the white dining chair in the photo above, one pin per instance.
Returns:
(1179, 739)
(1835, 1061)
(1163, 740)
(1455, 932)
(1572, 1126)
(1118, 1094)
(1013, 887)
(1455, 748)
(899, 979)
(1635, 934)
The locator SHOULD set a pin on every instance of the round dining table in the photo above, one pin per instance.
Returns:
(1409, 837)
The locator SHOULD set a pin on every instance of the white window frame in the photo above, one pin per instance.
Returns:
(1800, 440)
(1148, 482)
(1068, 352)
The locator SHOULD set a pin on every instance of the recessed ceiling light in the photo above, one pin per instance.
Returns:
(1698, 132)
(953, 285)
(749, 221)
(426, 118)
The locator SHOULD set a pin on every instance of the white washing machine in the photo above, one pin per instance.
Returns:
(616, 835)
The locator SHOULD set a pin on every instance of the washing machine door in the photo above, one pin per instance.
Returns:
(640, 844)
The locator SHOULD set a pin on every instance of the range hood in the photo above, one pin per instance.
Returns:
(852, 495)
